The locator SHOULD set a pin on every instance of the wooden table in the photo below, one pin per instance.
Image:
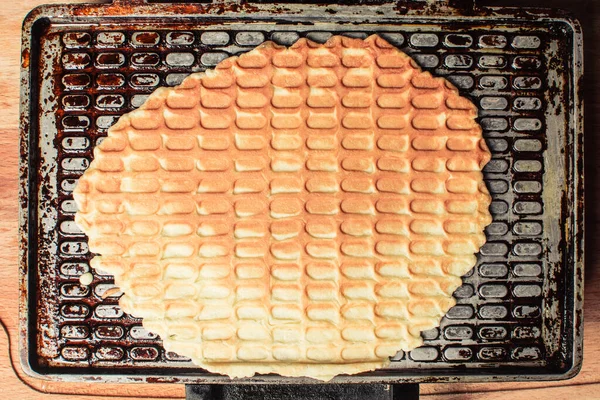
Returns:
(15, 385)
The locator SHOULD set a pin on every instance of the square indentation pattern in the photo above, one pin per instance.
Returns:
(104, 75)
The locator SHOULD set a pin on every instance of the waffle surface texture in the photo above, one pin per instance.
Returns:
(306, 211)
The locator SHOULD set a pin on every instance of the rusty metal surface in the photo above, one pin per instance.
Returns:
(519, 312)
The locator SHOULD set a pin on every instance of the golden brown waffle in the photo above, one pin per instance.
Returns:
(306, 211)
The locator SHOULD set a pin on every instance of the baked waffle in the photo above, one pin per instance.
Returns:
(306, 211)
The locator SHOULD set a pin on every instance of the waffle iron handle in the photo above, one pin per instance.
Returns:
(364, 391)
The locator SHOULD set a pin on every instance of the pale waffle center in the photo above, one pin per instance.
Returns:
(306, 210)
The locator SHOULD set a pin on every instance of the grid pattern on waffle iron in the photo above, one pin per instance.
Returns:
(375, 302)
(109, 73)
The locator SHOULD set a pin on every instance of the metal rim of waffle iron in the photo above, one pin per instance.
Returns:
(536, 251)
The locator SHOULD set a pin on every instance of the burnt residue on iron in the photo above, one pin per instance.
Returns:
(527, 63)
(76, 80)
(492, 41)
(75, 101)
(458, 40)
(147, 37)
(146, 59)
(113, 354)
(108, 58)
(25, 58)
(110, 80)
